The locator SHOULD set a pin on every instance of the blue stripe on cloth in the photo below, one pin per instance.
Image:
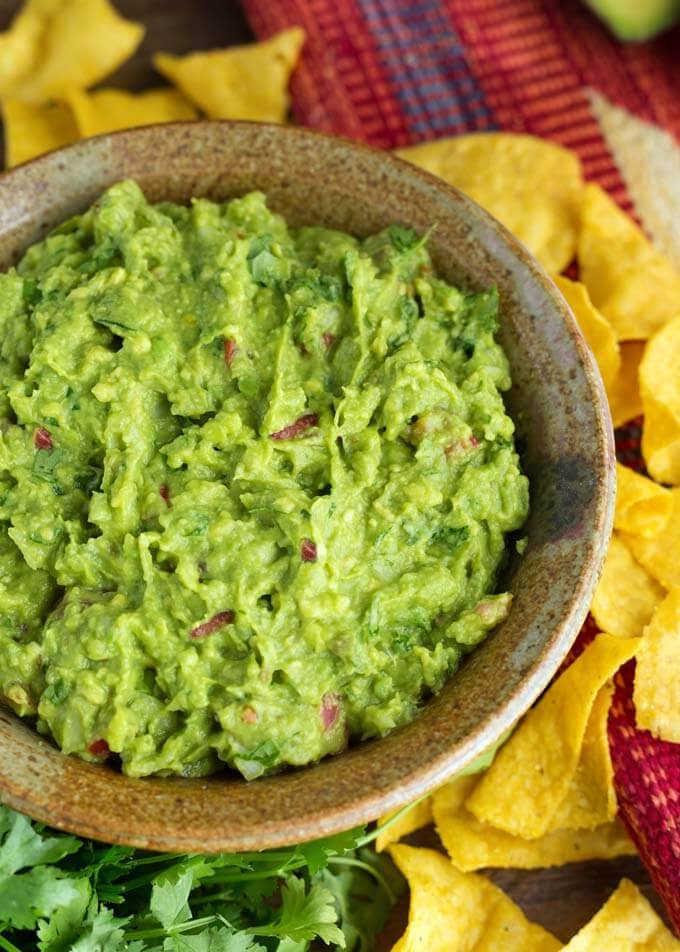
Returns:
(428, 68)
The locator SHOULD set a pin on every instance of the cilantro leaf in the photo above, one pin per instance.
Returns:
(101, 933)
(58, 933)
(169, 900)
(37, 894)
(304, 915)
(213, 940)
(317, 852)
(22, 845)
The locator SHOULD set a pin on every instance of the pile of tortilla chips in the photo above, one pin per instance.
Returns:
(548, 797)
(56, 50)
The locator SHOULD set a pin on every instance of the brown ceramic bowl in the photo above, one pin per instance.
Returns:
(566, 443)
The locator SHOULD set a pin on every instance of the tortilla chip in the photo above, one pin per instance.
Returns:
(660, 555)
(642, 506)
(243, 82)
(532, 773)
(70, 44)
(591, 799)
(109, 109)
(598, 332)
(626, 923)
(625, 402)
(31, 130)
(626, 596)
(534, 187)
(417, 817)
(474, 845)
(453, 912)
(657, 672)
(20, 46)
(634, 286)
(660, 390)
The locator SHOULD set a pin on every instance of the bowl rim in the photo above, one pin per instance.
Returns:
(367, 807)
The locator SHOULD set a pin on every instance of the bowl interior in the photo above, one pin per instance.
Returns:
(565, 440)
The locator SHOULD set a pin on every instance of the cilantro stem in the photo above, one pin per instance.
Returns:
(173, 930)
(7, 945)
(381, 827)
(367, 868)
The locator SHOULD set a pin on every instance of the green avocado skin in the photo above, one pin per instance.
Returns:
(254, 484)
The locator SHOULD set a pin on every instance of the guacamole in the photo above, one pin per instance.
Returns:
(255, 484)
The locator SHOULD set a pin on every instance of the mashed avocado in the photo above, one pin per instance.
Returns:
(254, 484)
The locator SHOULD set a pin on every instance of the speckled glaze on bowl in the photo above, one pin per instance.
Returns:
(567, 449)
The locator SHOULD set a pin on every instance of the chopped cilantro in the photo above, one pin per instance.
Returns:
(58, 892)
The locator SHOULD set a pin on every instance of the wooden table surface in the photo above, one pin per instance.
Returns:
(561, 899)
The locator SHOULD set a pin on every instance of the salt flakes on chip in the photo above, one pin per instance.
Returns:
(243, 82)
(109, 109)
(657, 672)
(532, 186)
(642, 506)
(33, 129)
(660, 390)
(532, 773)
(626, 923)
(57, 45)
(634, 286)
(625, 402)
(598, 332)
(626, 595)
(451, 911)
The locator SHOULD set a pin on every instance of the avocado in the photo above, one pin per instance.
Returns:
(636, 20)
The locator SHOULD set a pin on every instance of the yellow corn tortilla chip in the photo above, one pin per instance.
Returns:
(591, 799)
(417, 817)
(21, 44)
(31, 130)
(474, 845)
(660, 555)
(452, 911)
(660, 391)
(625, 402)
(531, 775)
(657, 672)
(634, 286)
(626, 595)
(109, 109)
(534, 187)
(244, 82)
(642, 506)
(626, 923)
(598, 332)
(75, 43)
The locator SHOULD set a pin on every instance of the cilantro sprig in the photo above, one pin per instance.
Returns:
(60, 893)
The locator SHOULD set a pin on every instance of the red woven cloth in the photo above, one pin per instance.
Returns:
(395, 72)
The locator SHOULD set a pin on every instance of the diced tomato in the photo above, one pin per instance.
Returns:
(460, 447)
(330, 710)
(329, 339)
(249, 715)
(42, 439)
(99, 748)
(212, 624)
(230, 349)
(308, 550)
(296, 429)
(164, 493)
